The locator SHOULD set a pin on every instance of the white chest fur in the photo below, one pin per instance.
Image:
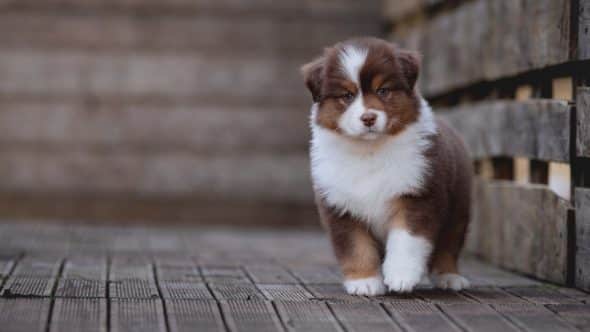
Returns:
(363, 178)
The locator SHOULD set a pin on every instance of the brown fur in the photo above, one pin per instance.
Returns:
(439, 212)
(356, 249)
(386, 67)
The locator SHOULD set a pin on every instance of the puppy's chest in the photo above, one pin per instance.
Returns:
(366, 185)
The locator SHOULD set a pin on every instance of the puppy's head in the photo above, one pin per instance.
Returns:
(364, 88)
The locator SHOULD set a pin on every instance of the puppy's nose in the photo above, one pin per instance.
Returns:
(369, 118)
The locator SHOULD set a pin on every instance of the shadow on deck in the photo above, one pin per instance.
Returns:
(74, 278)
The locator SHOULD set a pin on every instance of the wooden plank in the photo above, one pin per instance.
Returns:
(439, 296)
(583, 121)
(308, 317)
(250, 316)
(58, 74)
(541, 295)
(537, 129)
(169, 173)
(156, 208)
(584, 30)
(520, 36)
(270, 274)
(177, 269)
(577, 315)
(316, 274)
(492, 295)
(224, 274)
(235, 291)
(363, 317)
(482, 274)
(145, 127)
(33, 276)
(333, 293)
(190, 315)
(515, 234)
(83, 277)
(574, 293)
(477, 317)
(582, 269)
(397, 298)
(79, 315)
(249, 35)
(132, 276)
(533, 318)
(19, 315)
(314, 8)
(185, 290)
(399, 9)
(417, 316)
(7, 262)
(285, 292)
(141, 315)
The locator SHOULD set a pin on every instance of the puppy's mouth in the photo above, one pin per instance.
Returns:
(371, 135)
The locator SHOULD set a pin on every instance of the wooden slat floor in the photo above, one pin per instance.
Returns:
(81, 278)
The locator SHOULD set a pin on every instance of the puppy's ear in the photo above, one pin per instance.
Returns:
(410, 63)
(312, 75)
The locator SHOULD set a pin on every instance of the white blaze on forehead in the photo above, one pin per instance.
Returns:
(352, 60)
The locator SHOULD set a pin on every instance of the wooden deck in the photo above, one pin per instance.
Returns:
(80, 278)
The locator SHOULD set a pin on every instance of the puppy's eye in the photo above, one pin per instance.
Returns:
(383, 92)
(347, 97)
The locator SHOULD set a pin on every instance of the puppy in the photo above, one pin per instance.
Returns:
(392, 183)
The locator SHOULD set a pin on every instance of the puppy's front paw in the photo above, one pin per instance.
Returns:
(402, 276)
(372, 286)
(449, 281)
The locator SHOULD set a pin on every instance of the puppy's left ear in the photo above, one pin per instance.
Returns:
(410, 63)
(312, 75)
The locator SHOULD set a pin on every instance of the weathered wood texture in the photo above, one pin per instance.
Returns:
(583, 121)
(283, 9)
(486, 40)
(33, 276)
(158, 208)
(399, 9)
(148, 128)
(521, 227)
(83, 277)
(79, 314)
(534, 318)
(186, 279)
(166, 101)
(246, 34)
(24, 314)
(582, 270)
(537, 129)
(165, 173)
(584, 29)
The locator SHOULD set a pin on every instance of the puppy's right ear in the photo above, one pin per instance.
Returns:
(312, 74)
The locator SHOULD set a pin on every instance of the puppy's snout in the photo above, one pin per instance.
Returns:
(369, 118)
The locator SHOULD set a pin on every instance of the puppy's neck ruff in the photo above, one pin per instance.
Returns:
(363, 177)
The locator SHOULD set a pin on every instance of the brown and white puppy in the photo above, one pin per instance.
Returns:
(392, 183)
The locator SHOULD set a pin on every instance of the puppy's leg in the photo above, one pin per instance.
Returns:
(444, 273)
(358, 253)
(408, 247)
(443, 267)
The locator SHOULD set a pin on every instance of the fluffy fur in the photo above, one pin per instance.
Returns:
(392, 183)
(340, 165)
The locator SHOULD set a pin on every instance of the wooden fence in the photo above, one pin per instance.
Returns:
(512, 76)
(188, 110)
